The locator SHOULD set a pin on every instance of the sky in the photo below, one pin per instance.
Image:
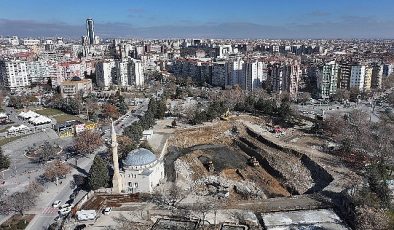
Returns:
(242, 19)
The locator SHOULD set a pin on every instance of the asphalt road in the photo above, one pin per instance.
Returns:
(45, 214)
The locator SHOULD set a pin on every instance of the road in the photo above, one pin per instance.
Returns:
(45, 214)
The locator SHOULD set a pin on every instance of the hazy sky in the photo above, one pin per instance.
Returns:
(200, 18)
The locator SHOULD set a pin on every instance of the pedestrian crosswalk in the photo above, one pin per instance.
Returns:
(50, 211)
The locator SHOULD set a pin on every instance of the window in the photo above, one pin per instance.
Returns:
(130, 184)
(136, 185)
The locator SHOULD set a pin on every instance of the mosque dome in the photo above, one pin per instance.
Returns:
(139, 157)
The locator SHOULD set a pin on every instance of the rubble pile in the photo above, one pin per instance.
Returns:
(216, 185)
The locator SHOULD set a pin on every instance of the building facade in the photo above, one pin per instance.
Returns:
(74, 88)
(14, 75)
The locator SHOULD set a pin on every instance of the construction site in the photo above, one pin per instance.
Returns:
(239, 173)
(243, 159)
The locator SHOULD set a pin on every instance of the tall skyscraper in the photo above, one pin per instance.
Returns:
(90, 31)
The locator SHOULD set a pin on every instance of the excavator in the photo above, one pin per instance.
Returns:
(225, 116)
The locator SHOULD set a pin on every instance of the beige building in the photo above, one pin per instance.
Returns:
(74, 87)
(368, 78)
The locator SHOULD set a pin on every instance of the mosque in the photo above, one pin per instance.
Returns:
(141, 171)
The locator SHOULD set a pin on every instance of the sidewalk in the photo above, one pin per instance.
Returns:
(60, 192)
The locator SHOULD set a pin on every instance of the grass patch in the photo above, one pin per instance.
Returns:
(17, 222)
(5, 128)
(67, 117)
(49, 112)
(10, 139)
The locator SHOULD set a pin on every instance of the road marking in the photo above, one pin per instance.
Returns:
(50, 210)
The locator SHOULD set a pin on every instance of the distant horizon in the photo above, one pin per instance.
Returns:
(155, 19)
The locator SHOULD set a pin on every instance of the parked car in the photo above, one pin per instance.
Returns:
(66, 205)
(80, 227)
(107, 210)
(64, 211)
(56, 203)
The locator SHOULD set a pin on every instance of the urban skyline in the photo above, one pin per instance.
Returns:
(218, 19)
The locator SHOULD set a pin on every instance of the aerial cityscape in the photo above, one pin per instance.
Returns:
(214, 115)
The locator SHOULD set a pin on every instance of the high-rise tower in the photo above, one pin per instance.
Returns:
(117, 185)
(90, 31)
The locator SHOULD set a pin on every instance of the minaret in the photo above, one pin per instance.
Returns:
(117, 185)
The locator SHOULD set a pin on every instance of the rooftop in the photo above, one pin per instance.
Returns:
(139, 157)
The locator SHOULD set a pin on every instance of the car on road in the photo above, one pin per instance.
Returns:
(65, 211)
(64, 206)
(56, 203)
(80, 227)
(107, 210)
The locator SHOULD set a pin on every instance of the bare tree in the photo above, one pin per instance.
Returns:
(35, 187)
(203, 207)
(123, 223)
(87, 142)
(18, 202)
(55, 170)
(46, 152)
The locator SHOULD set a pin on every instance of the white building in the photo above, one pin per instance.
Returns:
(136, 73)
(236, 73)
(105, 72)
(38, 72)
(31, 42)
(357, 76)
(254, 73)
(13, 75)
(14, 41)
(122, 73)
(327, 80)
(142, 171)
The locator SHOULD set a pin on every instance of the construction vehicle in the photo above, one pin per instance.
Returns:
(225, 115)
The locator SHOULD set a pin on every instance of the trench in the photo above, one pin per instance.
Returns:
(321, 178)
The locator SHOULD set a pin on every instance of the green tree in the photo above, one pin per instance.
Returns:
(134, 131)
(98, 174)
(146, 145)
(4, 160)
(161, 109)
(126, 145)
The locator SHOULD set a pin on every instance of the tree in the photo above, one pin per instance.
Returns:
(55, 170)
(110, 111)
(134, 131)
(123, 223)
(91, 107)
(18, 202)
(35, 187)
(87, 142)
(341, 95)
(146, 145)
(126, 145)
(354, 94)
(98, 174)
(303, 97)
(4, 160)
(173, 123)
(161, 109)
(72, 105)
(46, 152)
